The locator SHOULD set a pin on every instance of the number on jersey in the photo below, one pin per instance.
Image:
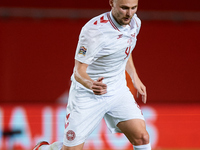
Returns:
(127, 51)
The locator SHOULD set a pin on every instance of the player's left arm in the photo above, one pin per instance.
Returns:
(141, 89)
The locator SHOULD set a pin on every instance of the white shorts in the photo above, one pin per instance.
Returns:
(86, 110)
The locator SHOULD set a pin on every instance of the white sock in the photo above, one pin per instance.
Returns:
(53, 146)
(143, 147)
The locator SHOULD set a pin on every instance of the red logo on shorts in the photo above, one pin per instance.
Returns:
(71, 135)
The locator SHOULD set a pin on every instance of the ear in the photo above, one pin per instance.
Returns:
(111, 3)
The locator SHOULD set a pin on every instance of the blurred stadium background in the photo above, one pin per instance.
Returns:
(37, 45)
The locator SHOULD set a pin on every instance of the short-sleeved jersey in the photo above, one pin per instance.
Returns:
(106, 46)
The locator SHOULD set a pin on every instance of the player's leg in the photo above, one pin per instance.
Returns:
(78, 147)
(135, 131)
(125, 116)
(84, 113)
(43, 145)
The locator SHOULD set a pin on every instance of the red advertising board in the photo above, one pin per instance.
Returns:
(169, 126)
(37, 59)
(169, 5)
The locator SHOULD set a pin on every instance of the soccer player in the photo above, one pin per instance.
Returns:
(98, 88)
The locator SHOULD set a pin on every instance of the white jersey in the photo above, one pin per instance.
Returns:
(106, 46)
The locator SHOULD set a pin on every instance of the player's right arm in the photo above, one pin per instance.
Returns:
(81, 76)
(91, 41)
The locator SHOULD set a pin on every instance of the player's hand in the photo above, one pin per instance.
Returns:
(141, 90)
(98, 87)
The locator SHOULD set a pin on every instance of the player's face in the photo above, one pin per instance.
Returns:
(123, 10)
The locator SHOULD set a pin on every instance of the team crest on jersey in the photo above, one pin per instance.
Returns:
(82, 50)
(120, 36)
(70, 135)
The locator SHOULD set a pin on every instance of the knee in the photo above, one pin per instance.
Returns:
(145, 138)
(141, 139)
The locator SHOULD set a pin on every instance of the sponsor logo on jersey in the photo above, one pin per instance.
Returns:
(133, 35)
(82, 50)
(120, 36)
(129, 41)
(70, 135)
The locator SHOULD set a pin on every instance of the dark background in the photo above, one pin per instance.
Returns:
(38, 41)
